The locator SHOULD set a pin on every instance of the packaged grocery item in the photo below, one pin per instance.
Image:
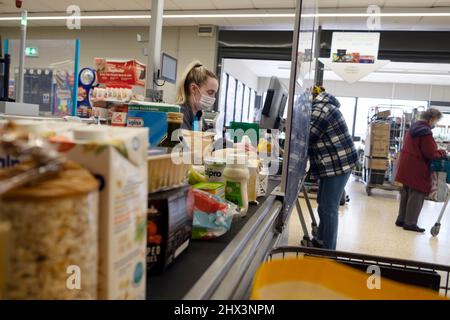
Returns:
(117, 157)
(153, 116)
(236, 181)
(119, 115)
(196, 175)
(126, 74)
(263, 182)
(253, 180)
(36, 128)
(214, 168)
(54, 234)
(169, 226)
(174, 124)
(163, 172)
(199, 143)
(212, 216)
(214, 188)
(5, 251)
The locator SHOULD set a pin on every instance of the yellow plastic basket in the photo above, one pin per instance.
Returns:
(312, 278)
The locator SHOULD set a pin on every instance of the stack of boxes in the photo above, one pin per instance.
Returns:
(376, 152)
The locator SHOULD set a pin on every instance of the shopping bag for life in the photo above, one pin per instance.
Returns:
(311, 278)
(439, 190)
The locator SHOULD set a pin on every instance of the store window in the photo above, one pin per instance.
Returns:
(252, 106)
(239, 102)
(231, 95)
(442, 130)
(348, 111)
(246, 105)
(236, 102)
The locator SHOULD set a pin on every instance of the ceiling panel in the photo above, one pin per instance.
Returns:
(8, 6)
(358, 3)
(442, 3)
(194, 4)
(428, 23)
(171, 5)
(179, 22)
(328, 3)
(233, 4)
(410, 3)
(274, 3)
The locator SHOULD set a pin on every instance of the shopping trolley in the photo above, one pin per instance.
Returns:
(442, 165)
(307, 241)
(437, 226)
(434, 277)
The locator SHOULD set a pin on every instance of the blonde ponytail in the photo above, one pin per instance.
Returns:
(196, 73)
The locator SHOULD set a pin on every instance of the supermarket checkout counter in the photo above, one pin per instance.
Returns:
(222, 268)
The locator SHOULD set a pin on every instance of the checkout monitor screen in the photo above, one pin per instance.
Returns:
(299, 106)
(168, 68)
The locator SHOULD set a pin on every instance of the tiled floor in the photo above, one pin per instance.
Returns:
(366, 225)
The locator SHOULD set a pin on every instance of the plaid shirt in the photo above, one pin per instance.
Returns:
(331, 149)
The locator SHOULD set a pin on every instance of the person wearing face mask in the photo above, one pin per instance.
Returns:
(196, 93)
(419, 149)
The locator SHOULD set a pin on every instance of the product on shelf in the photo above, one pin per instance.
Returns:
(154, 116)
(236, 181)
(169, 226)
(54, 235)
(120, 79)
(118, 159)
(212, 216)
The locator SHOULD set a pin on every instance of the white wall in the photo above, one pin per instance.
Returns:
(120, 42)
(240, 71)
(389, 91)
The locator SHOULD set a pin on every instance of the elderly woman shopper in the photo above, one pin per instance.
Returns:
(419, 149)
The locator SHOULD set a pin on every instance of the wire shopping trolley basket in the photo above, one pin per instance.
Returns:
(315, 274)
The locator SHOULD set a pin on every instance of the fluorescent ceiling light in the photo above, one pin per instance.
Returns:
(367, 15)
(229, 15)
(235, 15)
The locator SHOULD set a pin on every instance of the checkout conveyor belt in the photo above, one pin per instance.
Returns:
(214, 269)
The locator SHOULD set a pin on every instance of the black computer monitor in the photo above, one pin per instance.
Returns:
(168, 68)
(274, 105)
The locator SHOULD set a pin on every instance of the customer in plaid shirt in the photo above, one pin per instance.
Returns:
(332, 156)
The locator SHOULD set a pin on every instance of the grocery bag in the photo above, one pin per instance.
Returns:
(439, 190)
(212, 216)
(311, 278)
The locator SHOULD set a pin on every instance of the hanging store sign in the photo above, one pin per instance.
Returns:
(354, 55)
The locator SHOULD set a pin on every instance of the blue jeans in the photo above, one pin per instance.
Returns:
(328, 198)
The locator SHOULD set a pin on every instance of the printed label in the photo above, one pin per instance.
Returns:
(6, 161)
(119, 119)
(233, 192)
(135, 122)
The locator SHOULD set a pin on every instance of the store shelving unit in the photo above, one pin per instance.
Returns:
(385, 179)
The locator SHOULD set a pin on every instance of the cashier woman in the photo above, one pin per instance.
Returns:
(196, 93)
